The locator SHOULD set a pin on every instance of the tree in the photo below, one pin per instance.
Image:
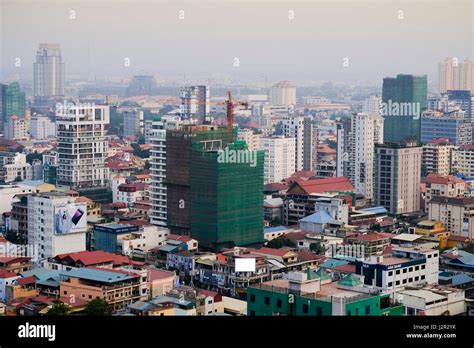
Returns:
(280, 242)
(98, 307)
(33, 156)
(59, 309)
(317, 248)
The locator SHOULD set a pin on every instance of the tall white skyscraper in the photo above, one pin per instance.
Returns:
(82, 145)
(454, 74)
(158, 197)
(195, 103)
(283, 93)
(49, 74)
(279, 158)
(356, 149)
(133, 124)
(293, 127)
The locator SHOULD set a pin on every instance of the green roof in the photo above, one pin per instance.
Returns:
(350, 280)
(321, 274)
(311, 274)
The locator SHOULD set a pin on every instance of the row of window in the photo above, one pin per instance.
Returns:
(406, 281)
(409, 269)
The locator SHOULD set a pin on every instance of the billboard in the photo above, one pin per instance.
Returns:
(70, 218)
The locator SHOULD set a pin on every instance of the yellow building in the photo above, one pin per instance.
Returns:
(433, 231)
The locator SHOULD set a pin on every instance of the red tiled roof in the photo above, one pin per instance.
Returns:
(13, 259)
(275, 186)
(309, 256)
(154, 274)
(458, 238)
(340, 183)
(184, 239)
(269, 251)
(349, 268)
(215, 295)
(89, 258)
(434, 178)
(26, 280)
(6, 274)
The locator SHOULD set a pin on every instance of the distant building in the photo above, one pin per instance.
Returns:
(453, 125)
(356, 148)
(252, 140)
(49, 75)
(141, 85)
(16, 129)
(12, 102)
(397, 177)
(283, 93)
(404, 98)
(463, 161)
(447, 186)
(195, 103)
(41, 127)
(455, 75)
(279, 158)
(437, 156)
(133, 123)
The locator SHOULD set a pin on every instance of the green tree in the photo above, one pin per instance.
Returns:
(98, 307)
(59, 309)
(33, 156)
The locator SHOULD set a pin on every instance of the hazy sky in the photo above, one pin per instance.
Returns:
(312, 46)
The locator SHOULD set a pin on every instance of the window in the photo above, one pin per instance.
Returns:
(416, 279)
(417, 268)
(319, 311)
(404, 270)
(267, 301)
(423, 266)
(367, 310)
(279, 303)
(422, 277)
(305, 308)
(252, 298)
(404, 281)
(397, 282)
(390, 273)
(410, 280)
(410, 269)
(252, 313)
(397, 272)
(65, 292)
(209, 302)
(348, 313)
(390, 284)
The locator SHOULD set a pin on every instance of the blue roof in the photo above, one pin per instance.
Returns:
(320, 217)
(374, 210)
(460, 279)
(169, 248)
(34, 183)
(330, 263)
(97, 275)
(275, 229)
(42, 274)
(463, 261)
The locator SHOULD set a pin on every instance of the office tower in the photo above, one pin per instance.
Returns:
(41, 127)
(372, 105)
(356, 150)
(49, 75)
(157, 136)
(310, 144)
(456, 75)
(403, 101)
(294, 127)
(195, 103)
(133, 123)
(82, 145)
(437, 157)
(283, 93)
(397, 177)
(279, 158)
(16, 129)
(180, 146)
(452, 125)
(465, 101)
(226, 195)
(141, 85)
(56, 225)
(12, 102)
(251, 139)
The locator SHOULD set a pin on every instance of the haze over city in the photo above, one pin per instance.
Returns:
(377, 38)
